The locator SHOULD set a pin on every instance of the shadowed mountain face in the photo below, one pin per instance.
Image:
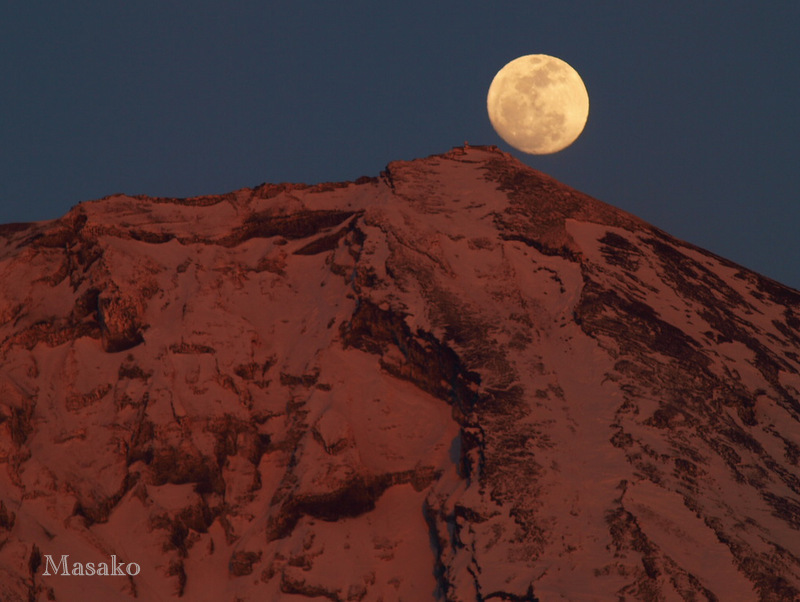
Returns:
(459, 381)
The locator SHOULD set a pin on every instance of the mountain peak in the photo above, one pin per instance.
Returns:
(460, 379)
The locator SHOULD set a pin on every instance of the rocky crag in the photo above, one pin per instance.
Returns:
(460, 380)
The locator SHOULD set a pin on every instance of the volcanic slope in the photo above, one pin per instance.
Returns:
(461, 380)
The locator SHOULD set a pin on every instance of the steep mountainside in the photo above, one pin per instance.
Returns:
(461, 380)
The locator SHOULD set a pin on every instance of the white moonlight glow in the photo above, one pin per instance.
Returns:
(538, 104)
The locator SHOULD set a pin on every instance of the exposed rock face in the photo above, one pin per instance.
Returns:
(459, 381)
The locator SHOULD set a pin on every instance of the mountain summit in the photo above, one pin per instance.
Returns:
(461, 380)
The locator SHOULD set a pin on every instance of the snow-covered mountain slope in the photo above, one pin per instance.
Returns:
(461, 380)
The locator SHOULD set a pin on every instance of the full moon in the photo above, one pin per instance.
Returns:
(538, 104)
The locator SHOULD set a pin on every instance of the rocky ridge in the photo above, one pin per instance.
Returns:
(460, 380)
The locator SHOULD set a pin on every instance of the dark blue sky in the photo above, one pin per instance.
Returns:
(693, 121)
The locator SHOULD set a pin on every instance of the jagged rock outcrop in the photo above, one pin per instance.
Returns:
(461, 380)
